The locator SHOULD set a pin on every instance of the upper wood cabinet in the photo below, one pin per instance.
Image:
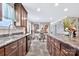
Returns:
(21, 15)
(0, 11)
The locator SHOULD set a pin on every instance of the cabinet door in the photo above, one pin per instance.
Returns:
(13, 53)
(1, 51)
(62, 54)
(53, 51)
(9, 49)
(57, 51)
(20, 51)
(18, 14)
(0, 11)
(20, 45)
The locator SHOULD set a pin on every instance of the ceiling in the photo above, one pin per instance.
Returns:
(49, 12)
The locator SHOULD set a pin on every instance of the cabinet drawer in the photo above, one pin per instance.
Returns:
(57, 43)
(1, 51)
(11, 47)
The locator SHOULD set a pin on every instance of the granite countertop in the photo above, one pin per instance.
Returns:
(9, 39)
(74, 42)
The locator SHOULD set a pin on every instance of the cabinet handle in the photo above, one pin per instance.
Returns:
(13, 47)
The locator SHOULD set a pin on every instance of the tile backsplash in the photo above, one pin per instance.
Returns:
(17, 30)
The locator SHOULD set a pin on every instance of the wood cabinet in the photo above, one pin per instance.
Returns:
(49, 45)
(11, 49)
(0, 11)
(21, 15)
(22, 46)
(1, 51)
(17, 48)
(58, 48)
(67, 50)
(53, 46)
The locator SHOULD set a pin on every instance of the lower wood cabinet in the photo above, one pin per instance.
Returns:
(49, 45)
(58, 48)
(17, 48)
(50, 49)
(20, 51)
(22, 46)
(1, 51)
(68, 50)
(53, 51)
(13, 53)
(57, 51)
(11, 49)
(62, 54)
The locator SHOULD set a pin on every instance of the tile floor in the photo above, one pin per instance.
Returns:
(38, 48)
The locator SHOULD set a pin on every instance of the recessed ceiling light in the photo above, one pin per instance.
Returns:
(66, 9)
(38, 9)
(56, 4)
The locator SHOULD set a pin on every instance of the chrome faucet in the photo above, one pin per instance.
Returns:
(9, 29)
(11, 26)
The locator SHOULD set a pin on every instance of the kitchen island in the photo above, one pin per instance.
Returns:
(62, 45)
(14, 45)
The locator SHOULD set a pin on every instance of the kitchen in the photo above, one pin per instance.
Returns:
(21, 25)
